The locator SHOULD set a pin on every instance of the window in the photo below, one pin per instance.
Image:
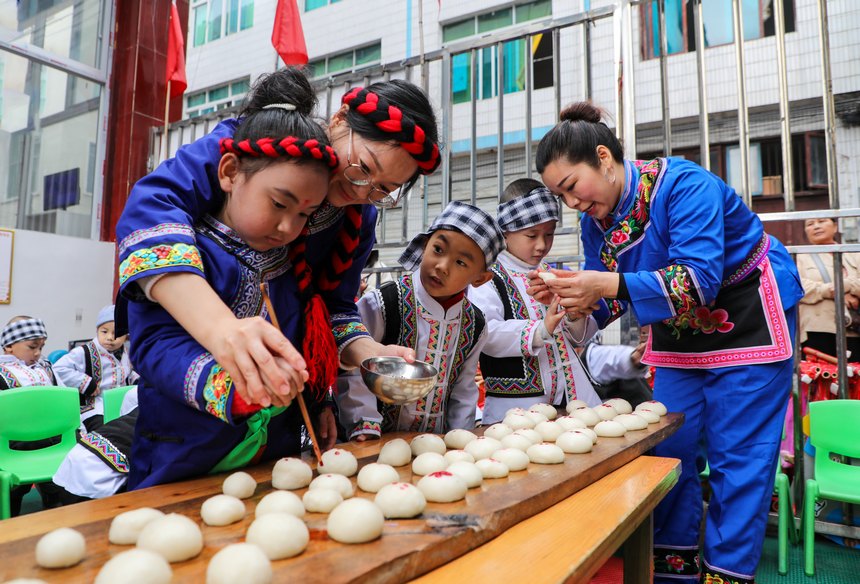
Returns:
(314, 4)
(346, 61)
(215, 98)
(756, 15)
(816, 159)
(514, 56)
(213, 19)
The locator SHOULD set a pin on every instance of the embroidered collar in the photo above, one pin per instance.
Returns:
(324, 217)
(432, 306)
(267, 262)
(628, 195)
(512, 262)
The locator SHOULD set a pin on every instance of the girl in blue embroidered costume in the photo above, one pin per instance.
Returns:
(272, 174)
(386, 138)
(676, 244)
(530, 353)
(427, 310)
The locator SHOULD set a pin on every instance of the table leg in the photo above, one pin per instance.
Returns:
(637, 552)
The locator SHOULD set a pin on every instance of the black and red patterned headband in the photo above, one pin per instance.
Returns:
(290, 146)
(390, 119)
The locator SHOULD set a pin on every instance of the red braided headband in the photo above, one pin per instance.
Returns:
(289, 146)
(390, 119)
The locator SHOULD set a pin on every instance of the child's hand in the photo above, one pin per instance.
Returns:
(363, 348)
(249, 349)
(553, 316)
(327, 434)
(283, 395)
(538, 289)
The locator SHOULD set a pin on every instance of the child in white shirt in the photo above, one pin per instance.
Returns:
(527, 358)
(95, 366)
(21, 364)
(428, 311)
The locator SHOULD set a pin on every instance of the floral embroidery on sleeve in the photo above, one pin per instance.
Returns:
(160, 256)
(216, 391)
(679, 288)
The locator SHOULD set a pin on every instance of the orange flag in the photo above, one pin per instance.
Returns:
(176, 55)
(288, 38)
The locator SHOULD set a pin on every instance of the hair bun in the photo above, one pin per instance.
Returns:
(285, 86)
(581, 111)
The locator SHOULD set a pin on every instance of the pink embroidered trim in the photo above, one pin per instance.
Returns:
(779, 350)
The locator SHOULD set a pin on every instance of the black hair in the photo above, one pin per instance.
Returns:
(412, 101)
(287, 86)
(576, 138)
(519, 188)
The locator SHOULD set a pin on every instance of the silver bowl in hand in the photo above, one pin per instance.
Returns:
(394, 381)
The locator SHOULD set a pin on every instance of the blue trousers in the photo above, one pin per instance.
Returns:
(739, 412)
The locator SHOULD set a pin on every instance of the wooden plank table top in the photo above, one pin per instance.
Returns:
(407, 548)
(571, 540)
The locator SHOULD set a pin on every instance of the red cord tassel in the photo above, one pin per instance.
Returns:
(318, 348)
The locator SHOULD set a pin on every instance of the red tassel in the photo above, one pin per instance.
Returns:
(318, 348)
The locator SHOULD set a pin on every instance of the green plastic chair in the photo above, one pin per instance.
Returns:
(786, 529)
(834, 429)
(28, 414)
(112, 400)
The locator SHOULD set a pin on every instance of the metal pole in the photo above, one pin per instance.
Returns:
(473, 137)
(664, 78)
(784, 110)
(529, 84)
(839, 300)
(500, 63)
(618, 67)
(829, 109)
(743, 114)
(446, 127)
(704, 128)
(556, 69)
(586, 60)
(629, 84)
(421, 59)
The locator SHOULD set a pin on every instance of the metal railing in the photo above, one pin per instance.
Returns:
(478, 173)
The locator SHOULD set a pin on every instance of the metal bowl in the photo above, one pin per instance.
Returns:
(394, 381)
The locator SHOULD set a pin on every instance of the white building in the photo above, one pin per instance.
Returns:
(362, 41)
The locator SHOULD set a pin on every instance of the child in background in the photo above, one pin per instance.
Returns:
(21, 364)
(528, 357)
(427, 310)
(100, 364)
(273, 173)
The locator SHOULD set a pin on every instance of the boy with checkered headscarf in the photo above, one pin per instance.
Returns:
(428, 311)
(21, 364)
(100, 364)
(529, 356)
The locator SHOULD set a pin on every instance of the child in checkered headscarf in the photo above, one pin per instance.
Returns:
(529, 356)
(427, 310)
(21, 364)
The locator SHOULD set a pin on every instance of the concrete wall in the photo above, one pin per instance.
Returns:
(62, 280)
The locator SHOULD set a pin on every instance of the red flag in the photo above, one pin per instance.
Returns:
(288, 38)
(176, 55)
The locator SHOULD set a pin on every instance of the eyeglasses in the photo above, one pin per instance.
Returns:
(357, 175)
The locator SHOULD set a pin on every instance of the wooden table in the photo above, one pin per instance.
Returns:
(408, 548)
(571, 540)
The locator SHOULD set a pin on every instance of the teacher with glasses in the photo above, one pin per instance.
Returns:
(386, 137)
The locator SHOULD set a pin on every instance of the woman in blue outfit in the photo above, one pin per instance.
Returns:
(677, 245)
(271, 175)
(386, 138)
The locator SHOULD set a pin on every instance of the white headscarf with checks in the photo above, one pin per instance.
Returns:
(534, 208)
(469, 220)
(23, 330)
